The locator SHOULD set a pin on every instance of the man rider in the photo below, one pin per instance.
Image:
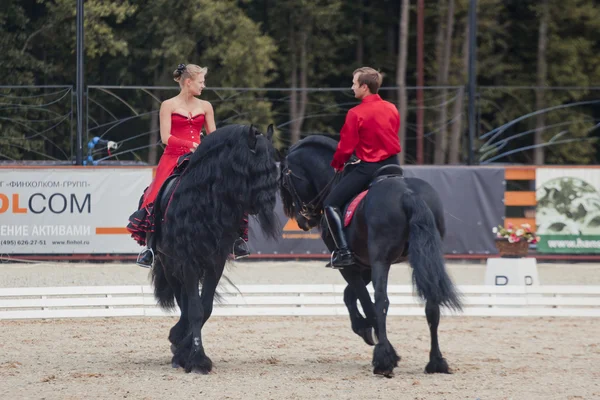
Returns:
(371, 132)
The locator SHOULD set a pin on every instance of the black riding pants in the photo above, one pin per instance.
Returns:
(355, 181)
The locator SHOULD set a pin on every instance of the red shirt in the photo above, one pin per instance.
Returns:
(370, 130)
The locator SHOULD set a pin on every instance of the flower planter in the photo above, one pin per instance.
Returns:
(512, 250)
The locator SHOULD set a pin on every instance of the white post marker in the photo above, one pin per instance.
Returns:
(503, 271)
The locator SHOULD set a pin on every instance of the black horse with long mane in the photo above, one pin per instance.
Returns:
(399, 218)
(232, 172)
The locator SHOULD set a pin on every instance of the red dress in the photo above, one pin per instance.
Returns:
(184, 128)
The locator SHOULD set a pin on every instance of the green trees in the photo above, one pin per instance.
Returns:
(317, 43)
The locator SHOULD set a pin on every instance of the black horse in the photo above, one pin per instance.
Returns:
(233, 171)
(399, 218)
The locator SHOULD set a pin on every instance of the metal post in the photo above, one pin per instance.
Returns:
(79, 149)
(420, 80)
(472, 77)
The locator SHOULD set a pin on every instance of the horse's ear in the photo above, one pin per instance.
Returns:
(270, 132)
(251, 137)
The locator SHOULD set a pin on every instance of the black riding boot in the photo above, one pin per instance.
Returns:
(146, 257)
(240, 246)
(341, 257)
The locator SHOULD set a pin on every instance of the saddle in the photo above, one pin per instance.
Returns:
(386, 172)
(383, 173)
(165, 193)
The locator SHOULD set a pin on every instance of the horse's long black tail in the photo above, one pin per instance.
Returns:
(163, 292)
(425, 254)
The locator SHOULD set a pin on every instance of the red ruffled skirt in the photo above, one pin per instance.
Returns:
(141, 222)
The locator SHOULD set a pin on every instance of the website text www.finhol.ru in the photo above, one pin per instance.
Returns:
(574, 244)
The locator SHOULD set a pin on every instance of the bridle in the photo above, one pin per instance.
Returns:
(314, 208)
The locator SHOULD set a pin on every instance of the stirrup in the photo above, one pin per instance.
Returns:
(141, 256)
(330, 263)
(242, 245)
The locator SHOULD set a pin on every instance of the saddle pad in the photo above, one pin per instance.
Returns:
(352, 207)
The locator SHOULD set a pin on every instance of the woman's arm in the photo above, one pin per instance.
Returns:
(165, 122)
(165, 129)
(209, 118)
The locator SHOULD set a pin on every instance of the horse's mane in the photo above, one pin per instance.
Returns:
(315, 140)
(224, 179)
(286, 197)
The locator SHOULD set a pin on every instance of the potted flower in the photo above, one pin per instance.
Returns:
(514, 241)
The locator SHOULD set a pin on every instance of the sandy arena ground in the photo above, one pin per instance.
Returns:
(294, 357)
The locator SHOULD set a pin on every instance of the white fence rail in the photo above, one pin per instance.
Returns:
(289, 300)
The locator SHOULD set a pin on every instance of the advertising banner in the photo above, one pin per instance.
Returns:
(473, 204)
(568, 210)
(69, 210)
(85, 211)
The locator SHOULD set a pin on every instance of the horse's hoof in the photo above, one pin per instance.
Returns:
(175, 365)
(437, 366)
(369, 336)
(387, 374)
(385, 359)
(200, 371)
(199, 364)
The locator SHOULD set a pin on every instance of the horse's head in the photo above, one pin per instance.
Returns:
(304, 178)
(233, 171)
(296, 190)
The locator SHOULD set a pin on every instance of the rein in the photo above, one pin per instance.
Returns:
(313, 208)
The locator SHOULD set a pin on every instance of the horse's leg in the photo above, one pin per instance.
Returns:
(351, 274)
(359, 324)
(190, 353)
(437, 363)
(209, 287)
(425, 217)
(385, 358)
(357, 289)
(167, 288)
(180, 329)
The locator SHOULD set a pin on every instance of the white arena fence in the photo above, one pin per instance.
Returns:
(295, 300)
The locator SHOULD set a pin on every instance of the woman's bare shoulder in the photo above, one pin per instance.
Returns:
(205, 104)
(168, 104)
